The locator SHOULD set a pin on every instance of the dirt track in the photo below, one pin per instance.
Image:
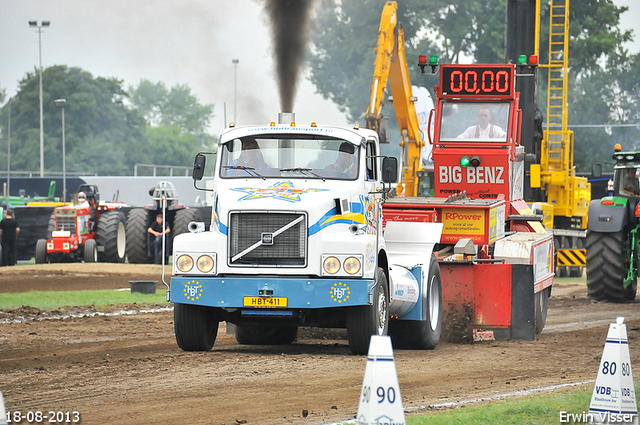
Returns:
(115, 368)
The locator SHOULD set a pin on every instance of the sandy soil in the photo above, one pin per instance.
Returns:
(126, 368)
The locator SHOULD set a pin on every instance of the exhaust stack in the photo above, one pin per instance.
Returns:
(286, 117)
(285, 158)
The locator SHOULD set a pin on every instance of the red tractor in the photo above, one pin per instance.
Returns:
(89, 230)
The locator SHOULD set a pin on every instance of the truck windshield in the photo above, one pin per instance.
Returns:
(280, 156)
(466, 121)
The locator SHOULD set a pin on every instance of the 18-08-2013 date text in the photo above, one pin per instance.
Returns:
(42, 417)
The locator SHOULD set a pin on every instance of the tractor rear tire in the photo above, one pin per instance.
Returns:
(605, 270)
(137, 236)
(424, 334)
(112, 236)
(195, 326)
(182, 220)
(51, 227)
(41, 252)
(90, 253)
(266, 334)
(364, 321)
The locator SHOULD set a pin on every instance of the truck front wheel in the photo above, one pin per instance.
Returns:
(606, 269)
(364, 321)
(196, 326)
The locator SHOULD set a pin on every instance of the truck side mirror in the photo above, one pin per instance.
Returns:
(198, 166)
(596, 170)
(389, 169)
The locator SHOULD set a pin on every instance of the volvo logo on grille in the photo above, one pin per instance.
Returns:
(267, 238)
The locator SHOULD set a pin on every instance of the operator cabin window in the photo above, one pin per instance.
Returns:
(372, 161)
(474, 122)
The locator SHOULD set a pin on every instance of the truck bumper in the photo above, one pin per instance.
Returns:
(276, 292)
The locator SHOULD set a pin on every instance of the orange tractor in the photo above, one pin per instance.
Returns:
(89, 230)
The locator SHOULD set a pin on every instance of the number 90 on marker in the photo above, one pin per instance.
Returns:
(381, 395)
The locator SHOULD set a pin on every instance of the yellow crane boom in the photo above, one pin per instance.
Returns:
(390, 67)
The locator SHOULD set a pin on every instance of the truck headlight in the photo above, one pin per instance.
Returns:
(352, 265)
(205, 263)
(331, 265)
(184, 263)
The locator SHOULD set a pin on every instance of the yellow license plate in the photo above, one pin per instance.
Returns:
(265, 302)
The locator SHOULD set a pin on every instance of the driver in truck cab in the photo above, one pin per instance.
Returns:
(631, 184)
(251, 158)
(484, 129)
(345, 162)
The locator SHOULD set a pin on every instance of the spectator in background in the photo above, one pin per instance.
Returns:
(9, 230)
(156, 230)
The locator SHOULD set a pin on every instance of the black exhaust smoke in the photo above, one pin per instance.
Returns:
(291, 31)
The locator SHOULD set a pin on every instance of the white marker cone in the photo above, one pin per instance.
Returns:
(380, 399)
(614, 397)
(3, 411)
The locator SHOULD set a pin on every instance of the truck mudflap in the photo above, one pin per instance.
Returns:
(259, 293)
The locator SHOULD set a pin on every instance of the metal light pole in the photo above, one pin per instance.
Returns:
(9, 156)
(44, 24)
(61, 103)
(235, 85)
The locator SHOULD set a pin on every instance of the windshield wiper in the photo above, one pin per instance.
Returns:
(244, 168)
(303, 170)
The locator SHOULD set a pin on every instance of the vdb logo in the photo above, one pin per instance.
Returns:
(603, 390)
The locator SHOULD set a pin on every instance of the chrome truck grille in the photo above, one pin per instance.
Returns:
(267, 239)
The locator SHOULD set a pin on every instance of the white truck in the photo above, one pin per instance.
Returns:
(296, 239)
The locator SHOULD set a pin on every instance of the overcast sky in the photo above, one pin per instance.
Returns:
(189, 42)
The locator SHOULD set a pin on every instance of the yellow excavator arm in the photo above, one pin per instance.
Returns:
(391, 67)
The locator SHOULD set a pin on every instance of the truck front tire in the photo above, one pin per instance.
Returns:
(364, 321)
(195, 326)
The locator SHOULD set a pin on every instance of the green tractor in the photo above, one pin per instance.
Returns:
(613, 239)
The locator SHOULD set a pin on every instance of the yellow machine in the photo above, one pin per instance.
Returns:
(391, 66)
(568, 196)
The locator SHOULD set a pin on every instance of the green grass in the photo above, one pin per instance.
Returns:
(52, 300)
(534, 410)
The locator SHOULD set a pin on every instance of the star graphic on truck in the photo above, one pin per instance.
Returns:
(283, 190)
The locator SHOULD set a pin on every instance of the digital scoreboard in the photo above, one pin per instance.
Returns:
(477, 80)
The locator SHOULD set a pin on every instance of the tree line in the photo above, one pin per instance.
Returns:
(108, 128)
(604, 77)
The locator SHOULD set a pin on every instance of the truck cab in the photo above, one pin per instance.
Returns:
(295, 239)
